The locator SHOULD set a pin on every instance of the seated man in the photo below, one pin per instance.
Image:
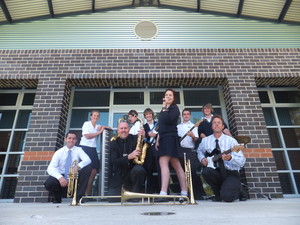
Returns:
(58, 169)
(124, 173)
(225, 179)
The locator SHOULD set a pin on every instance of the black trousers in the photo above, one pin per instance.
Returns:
(53, 185)
(135, 179)
(196, 180)
(225, 188)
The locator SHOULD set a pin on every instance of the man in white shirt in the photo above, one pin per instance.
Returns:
(223, 175)
(57, 181)
(188, 147)
(136, 124)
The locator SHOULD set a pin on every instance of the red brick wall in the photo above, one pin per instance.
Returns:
(238, 71)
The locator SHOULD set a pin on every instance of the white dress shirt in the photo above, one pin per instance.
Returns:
(226, 142)
(183, 128)
(134, 130)
(57, 165)
(88, 128)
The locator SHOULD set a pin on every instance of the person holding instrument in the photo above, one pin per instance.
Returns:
(223, 176)
(169, 150)
(134, 120)
(188, 146)
(58, 169)
(123, 171)
(151, 127)
(90, 133)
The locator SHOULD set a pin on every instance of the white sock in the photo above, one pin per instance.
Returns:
(163, 193)
(184, 193)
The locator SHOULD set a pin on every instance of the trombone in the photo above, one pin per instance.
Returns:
(146, 199)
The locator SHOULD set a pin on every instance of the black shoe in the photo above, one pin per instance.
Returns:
(243, 195)
(57, 200)
(216, 199)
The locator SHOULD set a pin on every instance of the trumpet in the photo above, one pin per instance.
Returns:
(72, 182)
(188, 179)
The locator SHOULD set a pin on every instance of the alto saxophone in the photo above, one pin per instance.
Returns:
(72, 182)
(141, 147)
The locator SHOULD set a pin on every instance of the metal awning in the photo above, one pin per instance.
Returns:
(286, 11)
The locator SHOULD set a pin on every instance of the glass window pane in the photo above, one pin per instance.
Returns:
(28, 99)
(127, 98)
(13, 163)
(269, 116)
(274, 138)
(280, 160)
(23, 119)
(79, 116)
(7, 118)
(9, 187)
(297, 179)
(288, 116)
(91, 98)
(263, 96)
(291, 137)
(294, 157)
(117, 116)
(196, 115)
(156, 98)
(8, 99)
(2, 158)
(4, 139)
(199, 98)
(18, 142)
(287, 96)
(285, 181)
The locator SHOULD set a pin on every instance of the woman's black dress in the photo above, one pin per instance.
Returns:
(168, 137)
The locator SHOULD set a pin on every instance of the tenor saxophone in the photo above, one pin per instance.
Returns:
(142, 147)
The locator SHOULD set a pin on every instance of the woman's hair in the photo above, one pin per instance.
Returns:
(133, 113)
(174, 94)
(95, 111)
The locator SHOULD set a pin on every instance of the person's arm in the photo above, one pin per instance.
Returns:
(53, 168)
(84, 158)
(200, 154)
(92, 135)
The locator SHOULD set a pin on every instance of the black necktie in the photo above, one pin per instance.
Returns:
(220, 161)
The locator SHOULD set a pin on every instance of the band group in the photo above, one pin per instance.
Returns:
(142, 155)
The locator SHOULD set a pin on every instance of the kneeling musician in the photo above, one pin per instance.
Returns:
(125, 171)
(59, 169)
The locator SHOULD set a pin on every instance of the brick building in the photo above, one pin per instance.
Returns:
(46, 90)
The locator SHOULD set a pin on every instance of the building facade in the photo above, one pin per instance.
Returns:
(46, 90)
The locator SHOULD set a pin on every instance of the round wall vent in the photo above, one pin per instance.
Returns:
(146, 30)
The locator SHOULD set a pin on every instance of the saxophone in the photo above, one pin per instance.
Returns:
(141, 147)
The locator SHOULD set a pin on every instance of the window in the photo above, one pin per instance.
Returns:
(15, 114)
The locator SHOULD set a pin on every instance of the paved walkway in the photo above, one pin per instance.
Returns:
(251, 212)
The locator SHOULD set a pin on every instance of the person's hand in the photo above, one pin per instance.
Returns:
(133, 155)
(226, 157)
(63, 182)
(191, 134)
(152, 134)
(156, 145)
(204, 162)
(142, 132)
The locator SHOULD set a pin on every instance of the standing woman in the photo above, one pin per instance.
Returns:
(168, 145)
(90, 133)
